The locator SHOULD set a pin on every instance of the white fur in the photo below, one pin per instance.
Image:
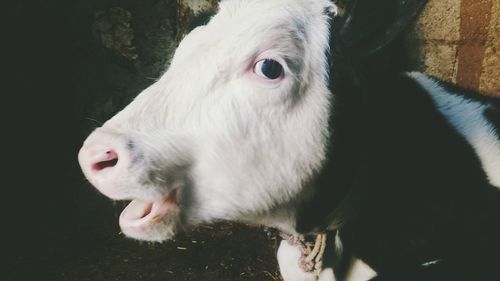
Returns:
(234, 146)
(327, 274)
(359, 271)
(288, 261)
(467, 117)
(231, 144)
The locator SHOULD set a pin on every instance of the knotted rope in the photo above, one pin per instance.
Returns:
(311, 259)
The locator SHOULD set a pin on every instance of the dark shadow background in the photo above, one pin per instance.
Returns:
(70, 65)
(51, 214)
(62, 83)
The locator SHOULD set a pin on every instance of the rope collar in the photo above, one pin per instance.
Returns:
(312, 249)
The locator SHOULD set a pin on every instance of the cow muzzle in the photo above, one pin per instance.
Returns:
(113, 166)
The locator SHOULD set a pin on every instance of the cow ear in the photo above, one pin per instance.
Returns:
(367, 26)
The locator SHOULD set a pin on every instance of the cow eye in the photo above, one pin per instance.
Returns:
(268, 68)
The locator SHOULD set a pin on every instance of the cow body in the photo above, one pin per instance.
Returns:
(429, 199)
(250, 123)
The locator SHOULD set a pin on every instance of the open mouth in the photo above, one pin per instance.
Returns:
(141, 217)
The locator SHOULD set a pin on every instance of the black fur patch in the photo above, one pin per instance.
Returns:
(429, 197)
(424, 194)
(371, 25)
(346, 137)
(426, 197)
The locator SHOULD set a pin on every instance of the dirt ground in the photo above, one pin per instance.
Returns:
(218, 252)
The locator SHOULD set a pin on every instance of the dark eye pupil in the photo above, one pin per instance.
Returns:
(271, 69)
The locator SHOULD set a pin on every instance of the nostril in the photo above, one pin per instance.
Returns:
(110, 159)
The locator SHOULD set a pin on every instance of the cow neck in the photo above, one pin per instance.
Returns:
(337, 189)
(341, 184)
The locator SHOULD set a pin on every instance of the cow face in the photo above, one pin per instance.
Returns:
(236, 128)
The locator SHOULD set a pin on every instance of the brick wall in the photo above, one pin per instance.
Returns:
(459, 42)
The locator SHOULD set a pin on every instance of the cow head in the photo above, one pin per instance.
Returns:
(236, 129)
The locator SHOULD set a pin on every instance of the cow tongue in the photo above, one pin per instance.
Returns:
(136, 210)
(139, 213)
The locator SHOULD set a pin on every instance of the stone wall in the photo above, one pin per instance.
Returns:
(121, 47)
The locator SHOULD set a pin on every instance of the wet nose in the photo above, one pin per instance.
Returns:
(96, 159)
(103, 159)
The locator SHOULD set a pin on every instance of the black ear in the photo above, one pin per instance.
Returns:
(369, 25)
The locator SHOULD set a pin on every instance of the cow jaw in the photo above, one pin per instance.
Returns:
(151, 220)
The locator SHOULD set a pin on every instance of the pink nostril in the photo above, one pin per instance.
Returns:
(109, 160)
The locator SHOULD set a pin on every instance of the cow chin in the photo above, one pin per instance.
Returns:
(154, 221)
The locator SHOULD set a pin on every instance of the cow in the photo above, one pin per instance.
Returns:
(259, 120)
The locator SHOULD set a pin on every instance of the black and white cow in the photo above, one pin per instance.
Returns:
(250, 124)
